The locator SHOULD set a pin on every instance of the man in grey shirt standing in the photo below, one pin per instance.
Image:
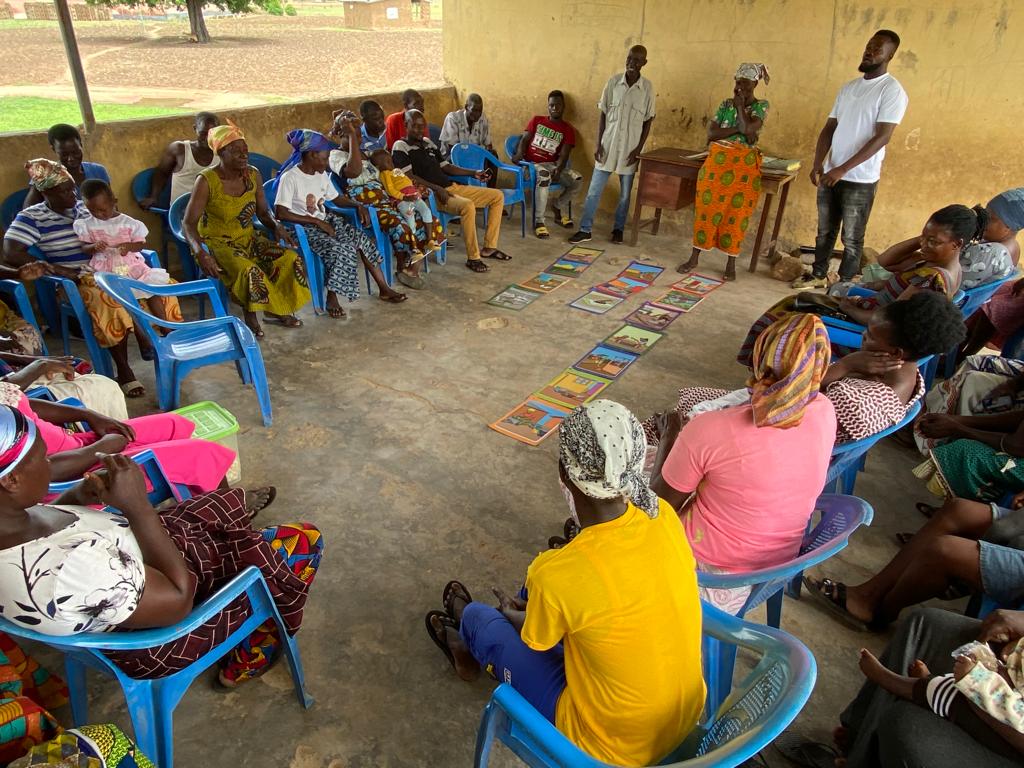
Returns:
(627, 111)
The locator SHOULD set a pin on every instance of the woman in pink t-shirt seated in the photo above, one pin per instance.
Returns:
(745, 479)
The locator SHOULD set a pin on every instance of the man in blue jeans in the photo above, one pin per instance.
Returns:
(848, 158)
(627, 111)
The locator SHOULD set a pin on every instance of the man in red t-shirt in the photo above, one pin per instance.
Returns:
(547, 143)
(394, 124)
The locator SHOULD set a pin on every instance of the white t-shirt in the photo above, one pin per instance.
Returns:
(859, 105)
(304, 193)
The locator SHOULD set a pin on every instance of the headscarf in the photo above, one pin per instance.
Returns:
(304, 140)
(790, 358)
(45, 174)
(602, 447)
(752, 71)
(16, 437)
(222, 135)
(1009, 206)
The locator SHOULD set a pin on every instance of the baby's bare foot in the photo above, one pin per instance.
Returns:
(918, 670)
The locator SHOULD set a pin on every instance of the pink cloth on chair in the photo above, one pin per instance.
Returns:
(198, 464)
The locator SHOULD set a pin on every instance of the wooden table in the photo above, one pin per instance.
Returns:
(668, 180)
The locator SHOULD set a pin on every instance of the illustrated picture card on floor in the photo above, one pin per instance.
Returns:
(531, 421)
(583, 254)
(514, 297)
(572, 388)
(645, 273)
(633, 339)
(701, 285)
(623, 287)
(605, 361)
(680, 301)
(568, 268)
(545, 283)
(652, 316)
(596, 302)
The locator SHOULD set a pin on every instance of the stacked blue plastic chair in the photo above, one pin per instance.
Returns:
(141, 186)
(511, 145)
(11, 207)
(315, 265)
(267, 166)
(151, 703)
(748, 720)
(175, 218)
(839, 517)
(15, 291)
(193, 344)
(475, 157)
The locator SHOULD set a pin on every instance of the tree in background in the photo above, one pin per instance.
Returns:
(198, 32)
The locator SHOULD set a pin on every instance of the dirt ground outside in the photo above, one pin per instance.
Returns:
(254, 59)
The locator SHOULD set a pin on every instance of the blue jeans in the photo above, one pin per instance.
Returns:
(538, 676)
(597, 184)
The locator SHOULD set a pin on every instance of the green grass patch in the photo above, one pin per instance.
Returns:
(31, 113)
(320, 9)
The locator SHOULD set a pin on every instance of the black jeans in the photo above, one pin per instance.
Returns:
(848, 203)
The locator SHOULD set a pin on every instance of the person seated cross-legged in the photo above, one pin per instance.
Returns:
(605, 640)
(421, 160)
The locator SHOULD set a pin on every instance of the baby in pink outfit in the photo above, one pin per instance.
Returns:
(114, 239)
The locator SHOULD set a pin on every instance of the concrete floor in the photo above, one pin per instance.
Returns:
(380, 438)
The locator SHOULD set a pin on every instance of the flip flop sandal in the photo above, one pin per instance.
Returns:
(257, 508)
(926, 509)
(416, 258)
(288, 322)
(831, 595)
(452, 590)
(570, 529)
(447, 623)
(133, 389)
(398, 298)
(477, 266)
(556, 542)
(498, 256)
(561, 218)
(541, 231)
(903, 538)
(804, 752)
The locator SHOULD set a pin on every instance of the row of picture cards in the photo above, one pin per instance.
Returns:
(684, 295)
(542, 413)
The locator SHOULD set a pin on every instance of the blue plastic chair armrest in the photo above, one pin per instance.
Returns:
(135, 639)
(152, 259)
(205, 287)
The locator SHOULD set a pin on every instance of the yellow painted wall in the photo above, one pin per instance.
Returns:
(129, 146)
(962, 64)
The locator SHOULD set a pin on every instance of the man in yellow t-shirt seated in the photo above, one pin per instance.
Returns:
(605, 640)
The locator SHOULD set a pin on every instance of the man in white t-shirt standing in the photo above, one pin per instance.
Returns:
(848, 158)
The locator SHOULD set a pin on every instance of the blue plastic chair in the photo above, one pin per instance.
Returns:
(434, 132)
(142, 183)
(511, 145)
(193, 344)
(974, 299)
(151, 703)
(267, 166)
(475, 157)
(15, 291)
(11, 207)
(162, 487)
(848, 458)
(315, 265)
(838, 517)
(748, 720)
(175, 217)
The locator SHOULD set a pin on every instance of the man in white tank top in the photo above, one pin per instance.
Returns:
(182, 161)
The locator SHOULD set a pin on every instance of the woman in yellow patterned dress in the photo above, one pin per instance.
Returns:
(729, 182)
(260, 274)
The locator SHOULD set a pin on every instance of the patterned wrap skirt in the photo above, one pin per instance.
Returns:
(728, 188)
(340, 255)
